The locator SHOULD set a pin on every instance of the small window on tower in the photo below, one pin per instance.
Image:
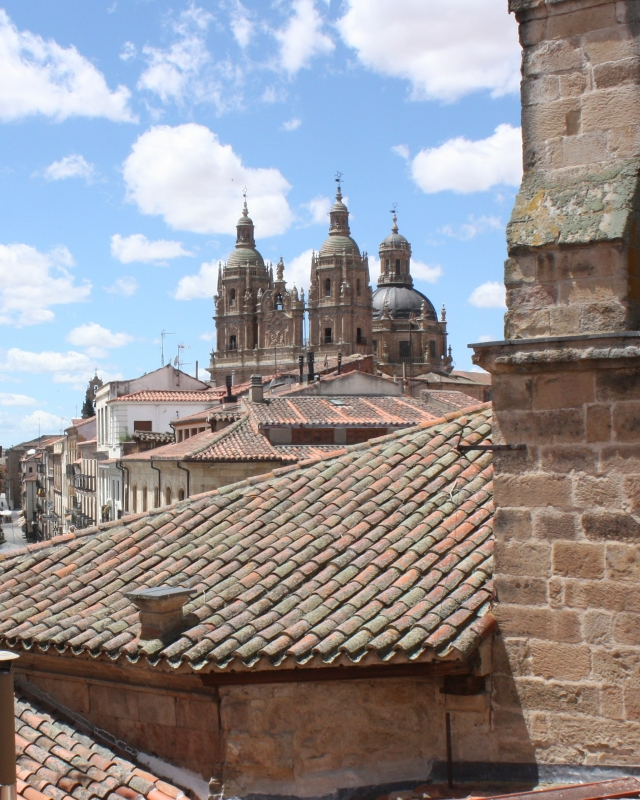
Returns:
(327, 288)
(359, 337)
(432, 349)
(233, 343)
(279, 303)
(405, 350)
(387, 265)
(397, 266)
(358, 290)
(232, 298)
(328, 338)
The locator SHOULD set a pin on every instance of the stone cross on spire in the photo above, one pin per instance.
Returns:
(339, 182)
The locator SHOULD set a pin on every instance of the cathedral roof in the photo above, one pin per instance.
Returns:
(402, 302)
(245, 252)
(339, 239)
(335, 244)
(395, 239)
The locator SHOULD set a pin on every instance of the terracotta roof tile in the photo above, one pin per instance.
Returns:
(383, 412)
(380, 552)
(167, 396)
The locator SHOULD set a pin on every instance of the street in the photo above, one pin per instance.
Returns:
(13, 535)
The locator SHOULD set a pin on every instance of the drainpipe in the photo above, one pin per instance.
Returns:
(157, 469)
(188, 479)
(125, 498)
(8, 789)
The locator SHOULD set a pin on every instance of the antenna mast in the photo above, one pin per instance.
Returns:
(162, 337)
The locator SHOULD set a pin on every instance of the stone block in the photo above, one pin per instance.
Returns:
(558, 661)
(621, 458)
(597, 627)
(555, 592)
(624, 142)
(618, 385)
(583, 149)
(599, 423)
(513, 392)
(562, 697)
(539, 623)
(558, 118)
(616, 73)
(522, 591)
(550, 57)
(612, 702)
(623, 562)
(198, 714)
(557, 426)
(631, 491)
(526, 559)
(609, 108)
(113, 701)
(589, 491)
(632, 703)
(626, 629)
(626, 422)
(610, 526)
(157, 708)
(618, 666)
(512, 523)
(580, 21)
(565, 459)
(513, 660)
(578, 560)
(609, 45)
(572, 84)
(516, 462)
(545, 489)
(551, 524)
(73, 694)
(563, 390)
(540, 90)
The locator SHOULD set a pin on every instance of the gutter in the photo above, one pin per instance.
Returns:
(188, 478)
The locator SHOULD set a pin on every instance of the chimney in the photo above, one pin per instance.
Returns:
(7, 728)
(160, 609)
(301, 367)
(310, 360)
(256, 394)
(340, 364)
(230, 397)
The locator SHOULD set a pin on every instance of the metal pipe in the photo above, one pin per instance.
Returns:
(7, 728)
(188, 479)
(449, 756)
(157, 469)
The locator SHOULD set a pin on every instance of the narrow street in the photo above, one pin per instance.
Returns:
(13, 535)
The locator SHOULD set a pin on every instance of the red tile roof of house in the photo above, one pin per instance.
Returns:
(167, 396)
(56, 761)
(381, 552)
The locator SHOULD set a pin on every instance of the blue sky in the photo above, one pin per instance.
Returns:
(128, 129)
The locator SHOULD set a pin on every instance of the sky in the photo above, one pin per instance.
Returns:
(129, 129)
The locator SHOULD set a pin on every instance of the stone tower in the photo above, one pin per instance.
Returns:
(340, 309)
(406, 329)
(259, 323)
(566, 387)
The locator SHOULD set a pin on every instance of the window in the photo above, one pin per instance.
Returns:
(233, 343)
(358, 289)
(167, 496)
(375, 345)
(232, 298)
(312, 436)
(405, 349)
(359, 336)
(134, 498)
(156, 497)
(397, 266)
(328, 338)
(279, 303)
(144, 498)
(387, 265)
(180, 494)
(327, 288)
(142, 425)
(432, 349)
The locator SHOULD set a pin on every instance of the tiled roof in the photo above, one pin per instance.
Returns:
(437, 400)
(177, 450)
(381, 552)
(54, 760)
(166, 396)
(382, 412)
(153, 436)
(241, 441)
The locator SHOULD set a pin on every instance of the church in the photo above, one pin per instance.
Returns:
(261, 324)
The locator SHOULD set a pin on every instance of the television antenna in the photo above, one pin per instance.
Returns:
(163, 334)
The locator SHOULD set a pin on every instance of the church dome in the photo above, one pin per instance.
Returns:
(402, 302)
(395, 240)
(245, 252)
(339, 239)
(335, 244)
(245, 255)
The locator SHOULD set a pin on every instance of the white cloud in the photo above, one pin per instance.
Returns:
(402, 150)
(7, 399)
(128, 51)
(208, 337)
(44, 421)
(486, 337)
(202, 284)
(292, 124)
(445, 48)
(241, 26)
(302, 38)
(31, 282)
(462, 165)
(472, 228)
(488, 295)
(319, 209)
(73, 166)
(96, 340)
(195, 183)
(41, 77)
(69, 367)
(126, 287)
(419, 270)
(138, 248)
(297, 271)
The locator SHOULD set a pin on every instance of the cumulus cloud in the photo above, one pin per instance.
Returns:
(202, 284)
(41, 77)
(401, 150)
(73, 166)
(473, 227)
(462, 165)
(241, 25)
(7, 399)
(96, 340)
(138, 248)
(445, 48)
(318, 208)
(44, 421)
(185, 175)
(298, 271)
(292, 124)
(126, 287)
(488, 295)
(31, 282)
(301, 38)
(69, 367)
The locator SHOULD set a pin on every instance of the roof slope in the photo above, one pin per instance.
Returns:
(378, 553)
(54, 760)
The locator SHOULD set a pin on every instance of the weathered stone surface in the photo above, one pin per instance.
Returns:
(556, 661)
(611, 525)
(578, 560)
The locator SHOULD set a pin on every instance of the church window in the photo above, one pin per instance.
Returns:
(180, 494)
(397, 266)
(232, 298)
(279, 303)
(328, 338)
(358, 289)
(144, 498)
(405, 349)
(359, 336)
(327, 288)
(387, 265)
(375, 345)
(432, 349)
(167, 495)
(233, 343)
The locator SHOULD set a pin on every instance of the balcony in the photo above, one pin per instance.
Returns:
(85, 483)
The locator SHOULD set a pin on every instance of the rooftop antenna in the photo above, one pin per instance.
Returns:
(162, 337)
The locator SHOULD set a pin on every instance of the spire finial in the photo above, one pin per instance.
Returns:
(394, 227)
(339, 182)
(245, 210)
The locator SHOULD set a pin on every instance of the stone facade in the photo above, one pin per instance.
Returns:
(566, 384)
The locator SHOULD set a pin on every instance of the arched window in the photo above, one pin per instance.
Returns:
(328, 337)
(327, 288)
(233, 343)
(144, 498)
(156, 497)
(358, 290)
(397, 266)
(279, 303)
(167, 496)
(232, 298)
(134, 498)
(359, 336)
(180, 494)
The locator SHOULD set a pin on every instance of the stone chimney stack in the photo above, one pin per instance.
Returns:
(8, 789)
(566, 383)
(160, 610)
(256, 392)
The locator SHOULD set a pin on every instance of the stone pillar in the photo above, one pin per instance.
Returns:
(566, 383)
